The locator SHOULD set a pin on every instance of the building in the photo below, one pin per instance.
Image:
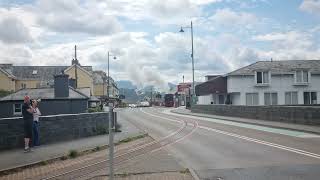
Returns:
(14, 78)
(100, 83)
(265, 83)
(61, 99)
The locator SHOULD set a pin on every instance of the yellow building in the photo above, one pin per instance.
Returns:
(7, 80)
(100, 85)
(82, 76)
(14, 78)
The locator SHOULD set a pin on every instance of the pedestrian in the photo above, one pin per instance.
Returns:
(35, 126)
(27, 114)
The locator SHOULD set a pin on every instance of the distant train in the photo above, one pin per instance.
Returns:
(168, 100)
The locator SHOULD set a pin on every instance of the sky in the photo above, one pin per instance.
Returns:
(144, 35)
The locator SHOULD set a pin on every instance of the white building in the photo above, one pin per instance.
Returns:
(271, 83)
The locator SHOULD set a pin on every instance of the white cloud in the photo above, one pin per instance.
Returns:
(288, 40)
(74, 16)
(310, 6)
(227, 17)
(13, 31)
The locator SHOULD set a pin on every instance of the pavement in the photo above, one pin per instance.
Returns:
(282, 125)
(231, 151)
(17, 158)
(158, 165)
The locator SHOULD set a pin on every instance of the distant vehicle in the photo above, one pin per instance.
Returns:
(132, 105)
(144, 104)
(168, 100)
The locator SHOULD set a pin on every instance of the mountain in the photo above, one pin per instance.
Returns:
(126, 84)
(130, 95)
(172, 87)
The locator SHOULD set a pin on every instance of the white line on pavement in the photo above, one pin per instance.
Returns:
(286, 148)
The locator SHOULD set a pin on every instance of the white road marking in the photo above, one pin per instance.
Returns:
(286, 148)
(286, 132)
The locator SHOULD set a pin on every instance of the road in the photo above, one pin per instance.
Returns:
(225, 151)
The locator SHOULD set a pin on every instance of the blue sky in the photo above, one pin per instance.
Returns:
(144, 34)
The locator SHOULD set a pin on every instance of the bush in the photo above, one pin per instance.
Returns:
(102, 130)
(95, 109)
(63, 158)
(73, 153)
(4, 93)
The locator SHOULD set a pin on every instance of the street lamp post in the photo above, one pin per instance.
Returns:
(111, 145)
(192, 58)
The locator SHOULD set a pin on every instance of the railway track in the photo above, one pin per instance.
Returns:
(87, 171)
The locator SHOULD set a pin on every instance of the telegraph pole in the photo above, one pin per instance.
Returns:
(111, 148)
(75, 66)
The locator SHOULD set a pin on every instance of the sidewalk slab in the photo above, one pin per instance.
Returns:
(17, 158)
(273, 124)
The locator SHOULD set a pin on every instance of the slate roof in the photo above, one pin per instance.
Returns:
(279, 67)
(42, 93)
(43, 73)
(214, 85)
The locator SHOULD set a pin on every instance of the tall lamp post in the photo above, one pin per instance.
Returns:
(111, 145)
(192, 58)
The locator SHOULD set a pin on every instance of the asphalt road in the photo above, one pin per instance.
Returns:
(229, 152)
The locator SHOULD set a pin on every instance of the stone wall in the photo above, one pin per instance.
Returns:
(309, 115)
(54, 128)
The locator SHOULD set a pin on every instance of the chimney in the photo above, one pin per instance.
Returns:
(61, 85)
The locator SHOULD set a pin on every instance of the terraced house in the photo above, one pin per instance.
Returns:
(290, 82)
(83, 78)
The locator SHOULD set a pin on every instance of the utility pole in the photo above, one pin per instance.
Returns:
(111, 124)
(75, 66)
(151, 97)
(183, 79)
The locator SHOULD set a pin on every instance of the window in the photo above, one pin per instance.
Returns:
(291, 98)
(310, 97)
(17, 108)
(34, 72)
(23, 85)
(262, 77)
(270, 99)
(252, 99)
(302, 76)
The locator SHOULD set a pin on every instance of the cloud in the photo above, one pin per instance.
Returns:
(73, 16)
(288, 40)
(17, 54)
(227, 17)
(13, 31)
(310, 6)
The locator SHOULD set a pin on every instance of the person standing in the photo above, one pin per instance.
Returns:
(35, 126)
(27, 113)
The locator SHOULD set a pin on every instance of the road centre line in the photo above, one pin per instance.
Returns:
(286, 148)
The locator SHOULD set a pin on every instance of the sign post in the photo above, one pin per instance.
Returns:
(111, 148)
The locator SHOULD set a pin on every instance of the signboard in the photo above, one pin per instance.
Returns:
(182, 87)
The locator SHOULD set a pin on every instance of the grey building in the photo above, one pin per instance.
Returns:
(61, 99)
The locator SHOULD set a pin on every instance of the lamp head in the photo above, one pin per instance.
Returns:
(181, 30)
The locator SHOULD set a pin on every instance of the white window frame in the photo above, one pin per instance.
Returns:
(251, 93)
(262, 76)
(310, 97)
(291, 99)
(270, 98)
(14, 109)
(302, 76)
